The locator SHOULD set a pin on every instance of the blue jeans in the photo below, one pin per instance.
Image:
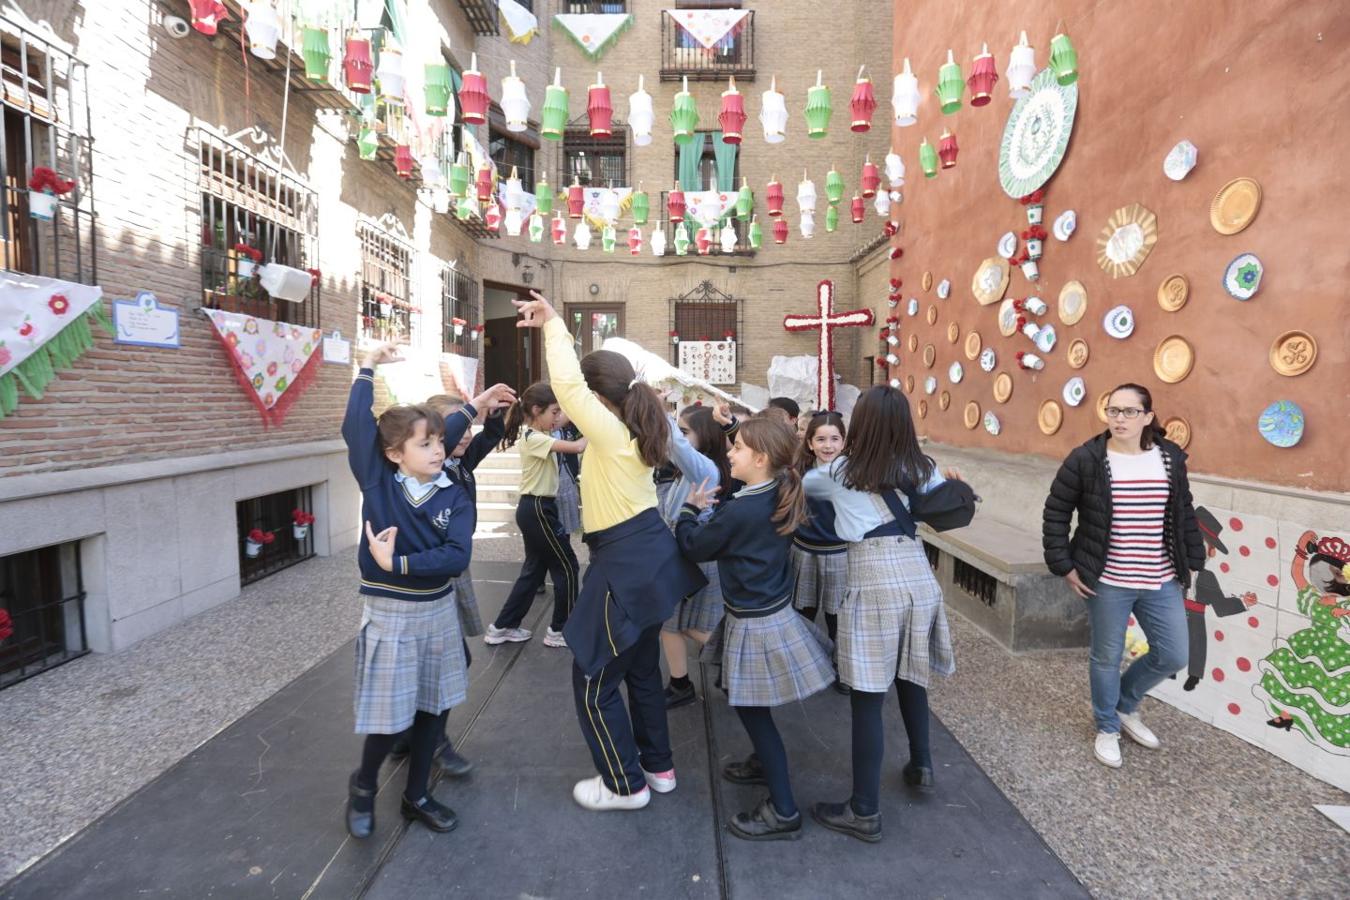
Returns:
(1162, 616)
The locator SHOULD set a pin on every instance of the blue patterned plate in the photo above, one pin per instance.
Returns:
(1281, 423)
(1242, 278)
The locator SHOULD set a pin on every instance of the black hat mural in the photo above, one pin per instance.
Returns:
(1209, 528)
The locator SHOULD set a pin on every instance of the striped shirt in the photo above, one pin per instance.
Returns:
(1137, 554)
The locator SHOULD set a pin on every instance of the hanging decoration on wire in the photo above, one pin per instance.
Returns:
(594, 33)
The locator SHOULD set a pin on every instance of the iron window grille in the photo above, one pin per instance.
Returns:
(44, 92)
(386, 285)
(249, 200)
(43, 592)
(509, 153)
(459, 300)
(595, 6)
(682, 56)
(980, 585)
(272, 513)
(706, 314)
(594, 162)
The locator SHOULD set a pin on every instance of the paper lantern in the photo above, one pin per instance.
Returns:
(467, 207)
(543, 195)
(773, 196)
(536, 228)
(862, 104)
(473, 94)
(484, 183)
(745, 200)
(513, 220)
(658, 241)
(576, 200)
(403, 161)
(553, 118)
(600, 108)
(703, 240)
(728, 238)
(684, 115)
(950, 84)
(356, 65)
(515, 192)
(831, 219)
(440, 200)
(640, 115)
(732, 117)
(430, 166)
(807, 224)
(314, 48)
(905, 97)
(882, 203)
(581, 235)
(634, 240)
(681, 239)
(438, 88)
(818, 108)
(675, 204)
(780, 231)
(806, 195)
(895, 169)
(492, 217)
(207, 15)
(871, 179)
(608, 238)
(928, 159)
(857, 209)
(1021, 68)
(368, 143)
(515, 102)
(947, 149)
(459, 175)
(983, 76)
(264, 27)
(756, 233)
(1063, 59)
(389, 74)
(609, 206)
(559, 229)
(834, 186)
(773, 114)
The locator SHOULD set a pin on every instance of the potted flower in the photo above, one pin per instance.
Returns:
(248, 260)
(45, 188)
(257, 538)
(674, 337)
(457, 324)
(300, 522)
(1035, 204)
(1030, 268)
(1033, 237)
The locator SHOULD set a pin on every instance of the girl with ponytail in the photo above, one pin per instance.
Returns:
(636, 575)
(770, 655)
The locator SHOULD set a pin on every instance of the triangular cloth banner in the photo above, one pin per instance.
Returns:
(709, 208)
(521, 25)
(44, 326)
(273, 362)
(594, 33)
(709, 26)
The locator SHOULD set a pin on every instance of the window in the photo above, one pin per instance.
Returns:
(707, 165)
(595, 6)
(386, 286)
(595, 161)
(249, 201)
(705, 314)
(43, 593)
(590, 324)
(272, 515)
(508, 152)
(459, 300)
(682, 55)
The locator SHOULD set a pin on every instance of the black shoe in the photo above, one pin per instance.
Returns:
(1191, 682)
(1286, 724)
(359, 824)
(920, 777)
(680, 696)
(764, 823)
(840, 817)
(451, 764)
(436, 816)
(842, 688)
(748, 771)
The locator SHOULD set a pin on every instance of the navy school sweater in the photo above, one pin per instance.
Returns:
(754, 561)
(434, 534)
(817, 535)
(460, 470)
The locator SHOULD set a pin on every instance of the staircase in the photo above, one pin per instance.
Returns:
(498, 477)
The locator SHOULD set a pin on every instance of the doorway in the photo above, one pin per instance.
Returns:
(591, 323)
(511, 355)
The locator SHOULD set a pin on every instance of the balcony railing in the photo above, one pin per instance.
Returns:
(683, 56)
(742, 230)
(482, 16)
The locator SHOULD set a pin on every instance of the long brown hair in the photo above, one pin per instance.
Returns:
(397, 424)
(882, 448)
(779, 443)
(806, 460)
(1152, 431)
(534, 398)
(712, 441)
(611, 376)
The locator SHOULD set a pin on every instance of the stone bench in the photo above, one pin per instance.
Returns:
(994, 574)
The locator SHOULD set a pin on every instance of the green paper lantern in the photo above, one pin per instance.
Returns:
(831, 218)
(834, 187)
(314, 48)
(543, 196)
(928, 159)
(368, 143)
(641, 207)
(756, 234)
(607, 238)
(553, 116)
(459, 176)
(681, 240)
(536, 229)
(438, 89)
(1063, 59)
(950, 84)
(684, 116)
(818, 108)
(467, 207)
(745, 201)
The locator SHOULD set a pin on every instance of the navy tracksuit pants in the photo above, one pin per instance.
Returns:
(548, 551)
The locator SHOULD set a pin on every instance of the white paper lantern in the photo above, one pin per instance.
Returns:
(1021, 68)
(905, 97)
(582, 235)
(806, 195)
(431, 170)
(640, 115)
(390, 74)
(264, 28)
(710, 208)
(895, 169)
(515, 194)
(728, 238)
(609, 206)
(882, 203)
(513, 221)
(658, 242)
(440, 199)
(515, 102)
(808, 223)
(773, 114)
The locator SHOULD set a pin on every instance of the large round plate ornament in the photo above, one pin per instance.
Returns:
(1036, 136)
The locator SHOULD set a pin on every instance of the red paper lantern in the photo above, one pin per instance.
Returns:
(983, 76)
(780, 230)
(871, 179)
(473, 95)
(704, 241)
(857, 209)
(863, 104)
(732, 117)
(403, 161)
(675, 204)
(947, 149)
(600, 109)
(357, 65)
(207, 15)
(635, 240)
(559, 230)
(492, 217)
(576, 201)
(774, 197)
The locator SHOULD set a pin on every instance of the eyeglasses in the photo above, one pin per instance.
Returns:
(1124, 412)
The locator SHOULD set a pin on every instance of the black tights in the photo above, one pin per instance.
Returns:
(869, 741)
(831, 620)
(758, 722)
(424, 734)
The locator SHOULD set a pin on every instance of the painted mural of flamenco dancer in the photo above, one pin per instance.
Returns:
(1305, 682)
(1208, 594)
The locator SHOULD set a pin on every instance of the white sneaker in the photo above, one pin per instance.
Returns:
(661, 782)
(1107, 749)
(497, 635)
(554, 638)
(1138, 732)
(592, 794)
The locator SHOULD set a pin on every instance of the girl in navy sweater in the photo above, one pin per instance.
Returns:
(770, 655)
(819, 556)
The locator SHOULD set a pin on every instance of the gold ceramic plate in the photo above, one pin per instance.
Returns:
(927, 281)
(1049, 417)
(953, 332)
(1078, 353)
(973, 344)
(971, 415)
(923, 409)
(1235, 205)
(1173, 360)
(1178, 431)
(1293, 353)
(909, 384)
(929, 354)
(1174, 292)
(1007, 318)
(913, 343)
(1127, 239)
(1072, 302)
(932, 314)
(990, 280)
(1101, 405)
(1003, 385)
(944, 400)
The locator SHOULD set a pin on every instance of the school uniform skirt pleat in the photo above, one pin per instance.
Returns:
(772, 660)
(470, 619)
(409, 657)
(822, 579)
(702, 610)
(893, 623)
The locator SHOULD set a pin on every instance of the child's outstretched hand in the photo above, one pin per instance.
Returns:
(499, 396)
(702, 496)
(534, 313)
(385, 353)
(722, 413)
(382, 545)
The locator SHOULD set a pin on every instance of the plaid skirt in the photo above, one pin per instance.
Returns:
(409, 656)
(821, 580)
(893, 623)
(772, 660)
(701, 611)
(569, 501)
(470, 621)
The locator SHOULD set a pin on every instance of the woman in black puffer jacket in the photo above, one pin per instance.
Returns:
(1132, 554)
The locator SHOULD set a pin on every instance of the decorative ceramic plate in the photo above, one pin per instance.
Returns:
(1178, 431)
(1049, 417)
(973, 344)
(1102, 399)
(988, 359)
(1180, 160)
(927, 281)
(913, 306)
(971, 415)
(1007, 245)
(1003, 387)
(1119, 322)
(1078, 353)
(1074, 391)
(1037, 135)
(1293, 353)
(1007, 318)
(929, 354)
(913, 343)
(1281, 423)
(1235, 205)
(909, 384)
(953, 332)
(944, 288)
(1065, 225)
(955, 373)
(990, 281)
(992, 424)
(1126, 240)
(923, 409)
(944, 400)
(1072, 302)
(1173, 293)
(930, 385)
(1173, 360)
(932, 315)
(1242, 278)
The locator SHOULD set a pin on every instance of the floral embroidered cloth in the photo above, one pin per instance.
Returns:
(274, 362)
(44, 327)
(594, 33)
(709, 26)
(709, 208)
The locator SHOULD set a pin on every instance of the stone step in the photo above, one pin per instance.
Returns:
(497, 494)
(497, 477)
(497, 512)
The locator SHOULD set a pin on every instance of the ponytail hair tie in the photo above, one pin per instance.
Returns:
(636, 380)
